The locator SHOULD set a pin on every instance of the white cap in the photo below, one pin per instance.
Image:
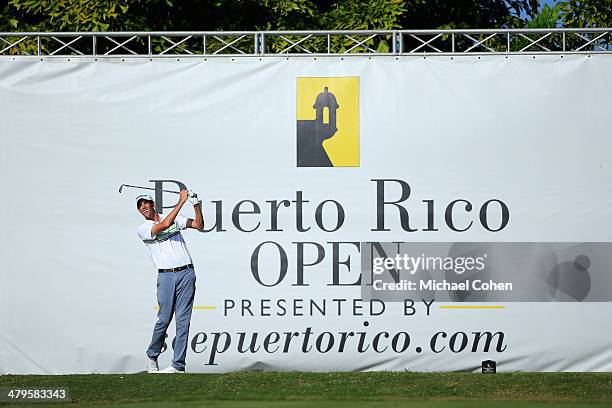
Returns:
(146, 197)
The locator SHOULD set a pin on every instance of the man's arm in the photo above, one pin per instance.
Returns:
(169, 220)
(198, 222)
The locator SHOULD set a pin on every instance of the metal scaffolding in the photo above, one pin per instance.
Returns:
(307, 43)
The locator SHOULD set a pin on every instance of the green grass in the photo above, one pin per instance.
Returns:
(322, 390)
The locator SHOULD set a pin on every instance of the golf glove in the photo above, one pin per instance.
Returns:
(193, 198)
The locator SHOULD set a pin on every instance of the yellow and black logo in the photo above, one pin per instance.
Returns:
(328, 122)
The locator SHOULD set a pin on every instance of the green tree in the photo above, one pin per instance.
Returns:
(290, 15)
(548, 17)
(468, 14)
(77, 15)
(242, 15)
(71, 15)
(365, 15)
(587, 13)
(573, 14)
(6, 23)
(428, 14)
(209, 15)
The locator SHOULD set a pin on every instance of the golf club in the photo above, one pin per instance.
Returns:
(145, 188)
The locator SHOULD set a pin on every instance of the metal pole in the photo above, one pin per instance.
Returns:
(263, 43)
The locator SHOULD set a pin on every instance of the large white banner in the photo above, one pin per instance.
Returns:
(328, 186)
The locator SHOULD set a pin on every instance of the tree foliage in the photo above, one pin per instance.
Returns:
(365, 15)
(574, 14)
(290, 15)
(233, 15)
(548, 17)
(83, 15)
(587, 13)
(243, 15)
(422, 14)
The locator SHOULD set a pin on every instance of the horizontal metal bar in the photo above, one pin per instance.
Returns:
(313, 55)
(305, 32)
(508, 30)
(127, 33)
(329, 43)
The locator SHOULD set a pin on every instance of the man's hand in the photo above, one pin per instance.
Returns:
(198, 222)
(169, 220)
(193, 198)
(183, 196)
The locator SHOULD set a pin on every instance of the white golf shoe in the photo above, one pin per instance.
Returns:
(170, 370)
(152, 366)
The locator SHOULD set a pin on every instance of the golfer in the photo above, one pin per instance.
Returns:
(176, 276)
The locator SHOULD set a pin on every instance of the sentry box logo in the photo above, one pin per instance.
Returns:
(328, 122)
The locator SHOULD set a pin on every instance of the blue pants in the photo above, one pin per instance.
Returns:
(175, 293)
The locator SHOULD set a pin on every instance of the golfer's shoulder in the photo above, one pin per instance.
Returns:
(147, 223)
(179, 223)
(144, 229)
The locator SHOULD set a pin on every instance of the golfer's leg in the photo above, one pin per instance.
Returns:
(165, 300)
(185, 292)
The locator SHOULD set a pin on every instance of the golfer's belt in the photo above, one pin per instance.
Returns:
(177, 269)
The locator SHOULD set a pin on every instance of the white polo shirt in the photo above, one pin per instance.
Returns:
(167, 248)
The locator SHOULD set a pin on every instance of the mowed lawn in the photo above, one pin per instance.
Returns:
(306, 390)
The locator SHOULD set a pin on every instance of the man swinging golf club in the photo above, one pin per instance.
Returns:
(176, 276)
